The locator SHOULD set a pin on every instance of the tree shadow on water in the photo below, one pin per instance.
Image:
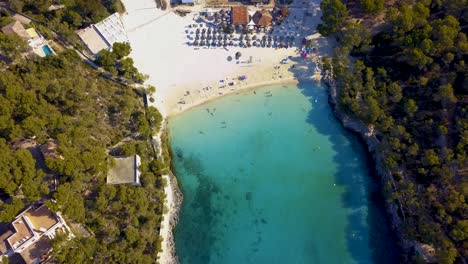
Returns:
(367, 225)
(197, 233)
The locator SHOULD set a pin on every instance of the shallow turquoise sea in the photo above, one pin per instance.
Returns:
(270, 176)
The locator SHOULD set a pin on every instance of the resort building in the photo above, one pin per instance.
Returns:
(28, 236)
(239, 15)
(103, 34)
(125, 171)
(262, 18)
(16, 28)
(31, 36)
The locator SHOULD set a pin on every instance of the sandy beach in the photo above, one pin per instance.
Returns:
(185, 76)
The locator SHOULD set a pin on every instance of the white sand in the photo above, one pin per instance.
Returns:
(181, 73)
(158, 40)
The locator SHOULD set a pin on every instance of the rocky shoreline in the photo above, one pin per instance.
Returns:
(173, 216)
(372, 144)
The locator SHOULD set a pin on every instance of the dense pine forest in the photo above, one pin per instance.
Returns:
(61, 99)
(400, 67)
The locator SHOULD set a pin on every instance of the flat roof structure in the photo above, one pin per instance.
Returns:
(92, 39)
(22, 233)
(104, 34)
(239, 15)
(28, 235)
(112, 29)
(125, 171)
(32, 32)
(41, 218)
(37, 250)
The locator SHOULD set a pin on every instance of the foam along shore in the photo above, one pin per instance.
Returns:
(185, 76)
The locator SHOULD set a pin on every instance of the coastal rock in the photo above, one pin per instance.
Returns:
(372, 145)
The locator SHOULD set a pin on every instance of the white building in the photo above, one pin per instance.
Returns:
(28, 234)
(104, 34)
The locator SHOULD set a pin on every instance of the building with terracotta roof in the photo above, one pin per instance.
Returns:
(262, 18)
(29, 234)
(239, 15)
(18, 29)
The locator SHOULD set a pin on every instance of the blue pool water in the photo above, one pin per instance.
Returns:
(271, 177)
(46, 50)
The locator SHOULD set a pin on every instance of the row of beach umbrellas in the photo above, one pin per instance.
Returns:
(242, 44)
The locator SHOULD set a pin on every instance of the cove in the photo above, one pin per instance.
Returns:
(270, 176)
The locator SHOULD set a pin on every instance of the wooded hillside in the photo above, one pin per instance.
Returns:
(406, 78)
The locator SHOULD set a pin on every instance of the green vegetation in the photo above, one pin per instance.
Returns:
(74, 15)
(117, 62)
(62, 99)
(11, 47)
(371, 6)
(409, 83)
(334, 16)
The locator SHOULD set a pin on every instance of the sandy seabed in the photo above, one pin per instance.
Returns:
(185, 76)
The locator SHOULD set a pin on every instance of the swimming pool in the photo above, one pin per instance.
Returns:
(47, 50)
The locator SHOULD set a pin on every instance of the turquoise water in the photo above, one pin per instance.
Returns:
(271, 177)
(47, 50)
